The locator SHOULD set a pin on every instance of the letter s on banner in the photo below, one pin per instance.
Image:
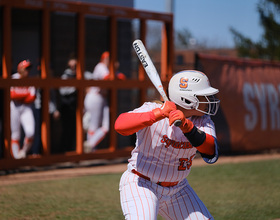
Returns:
(251, 118)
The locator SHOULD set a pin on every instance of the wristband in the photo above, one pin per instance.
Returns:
(196, 137)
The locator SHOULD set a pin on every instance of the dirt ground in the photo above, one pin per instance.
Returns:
(63, 172)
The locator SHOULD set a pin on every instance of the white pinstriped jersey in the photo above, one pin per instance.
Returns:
(99, 73)
(22, 90)
(162, 152)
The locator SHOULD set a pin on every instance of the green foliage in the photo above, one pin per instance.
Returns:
(230, 191)
(269, 46)
(183, 38)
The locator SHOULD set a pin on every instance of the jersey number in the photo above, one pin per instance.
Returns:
(185, 163)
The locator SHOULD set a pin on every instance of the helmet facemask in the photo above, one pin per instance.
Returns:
(212, 105)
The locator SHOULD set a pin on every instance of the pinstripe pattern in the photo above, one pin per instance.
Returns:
(137, 200)
(142, 199)
(163, 154)
(157, 160)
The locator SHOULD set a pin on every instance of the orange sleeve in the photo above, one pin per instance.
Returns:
(129, 123)
(208, 145)
(107, 77)
(17, 95)
(22, 94)
(29, 98)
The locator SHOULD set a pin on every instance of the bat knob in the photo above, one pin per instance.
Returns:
(177, 123)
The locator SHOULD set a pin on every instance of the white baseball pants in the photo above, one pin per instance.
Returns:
(22, 115)
(99, 123)
(142, 199)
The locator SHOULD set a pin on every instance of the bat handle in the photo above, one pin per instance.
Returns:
(177, 123)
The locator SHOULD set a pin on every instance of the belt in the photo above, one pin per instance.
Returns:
(164, 184)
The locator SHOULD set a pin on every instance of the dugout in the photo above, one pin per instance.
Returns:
(47, 32)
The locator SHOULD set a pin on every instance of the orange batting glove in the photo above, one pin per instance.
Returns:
(164, 110)
(186, 125)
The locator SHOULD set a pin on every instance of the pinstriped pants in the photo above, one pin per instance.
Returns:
(144, 200)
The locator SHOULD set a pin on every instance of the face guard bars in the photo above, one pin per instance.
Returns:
(212, 105)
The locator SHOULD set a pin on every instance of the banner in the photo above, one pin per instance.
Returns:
(249, 90)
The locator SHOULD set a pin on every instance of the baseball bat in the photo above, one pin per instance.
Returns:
(151, 71)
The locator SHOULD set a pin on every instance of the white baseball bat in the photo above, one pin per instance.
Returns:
(151, 70)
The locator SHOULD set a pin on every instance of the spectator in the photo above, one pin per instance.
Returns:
(21, 112)
(68, 108)
(118, 74)
(96, 105)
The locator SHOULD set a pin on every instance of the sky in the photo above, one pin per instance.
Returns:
(210, 20)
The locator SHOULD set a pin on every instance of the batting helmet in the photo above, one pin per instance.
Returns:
(185, 87)
(23, 65)
(104, 55)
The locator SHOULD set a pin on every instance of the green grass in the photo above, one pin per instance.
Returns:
(239, 191)
(232, 191)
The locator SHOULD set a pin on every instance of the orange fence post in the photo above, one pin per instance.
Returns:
(113, 46)
(164, 55)
(141, 71)
(113, 93)
(143, 30)
(6, 74)
(45, 74)
(45, 58)
(80, 75)
(7, 36)
(45, 126)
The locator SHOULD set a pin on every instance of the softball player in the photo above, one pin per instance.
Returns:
(96, 104)
(21, 112)
(155, 181)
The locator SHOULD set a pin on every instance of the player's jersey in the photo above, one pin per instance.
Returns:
(22, 95)
(100, 72)
(162, 152)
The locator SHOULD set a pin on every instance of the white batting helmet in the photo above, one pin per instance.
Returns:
(185, 86)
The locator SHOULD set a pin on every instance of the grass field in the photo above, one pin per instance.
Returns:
(231, 191)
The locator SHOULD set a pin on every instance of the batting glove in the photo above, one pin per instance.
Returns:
(164, 110)
(186, 125)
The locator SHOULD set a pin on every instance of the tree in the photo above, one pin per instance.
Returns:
(269, 46)
(183, 38)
